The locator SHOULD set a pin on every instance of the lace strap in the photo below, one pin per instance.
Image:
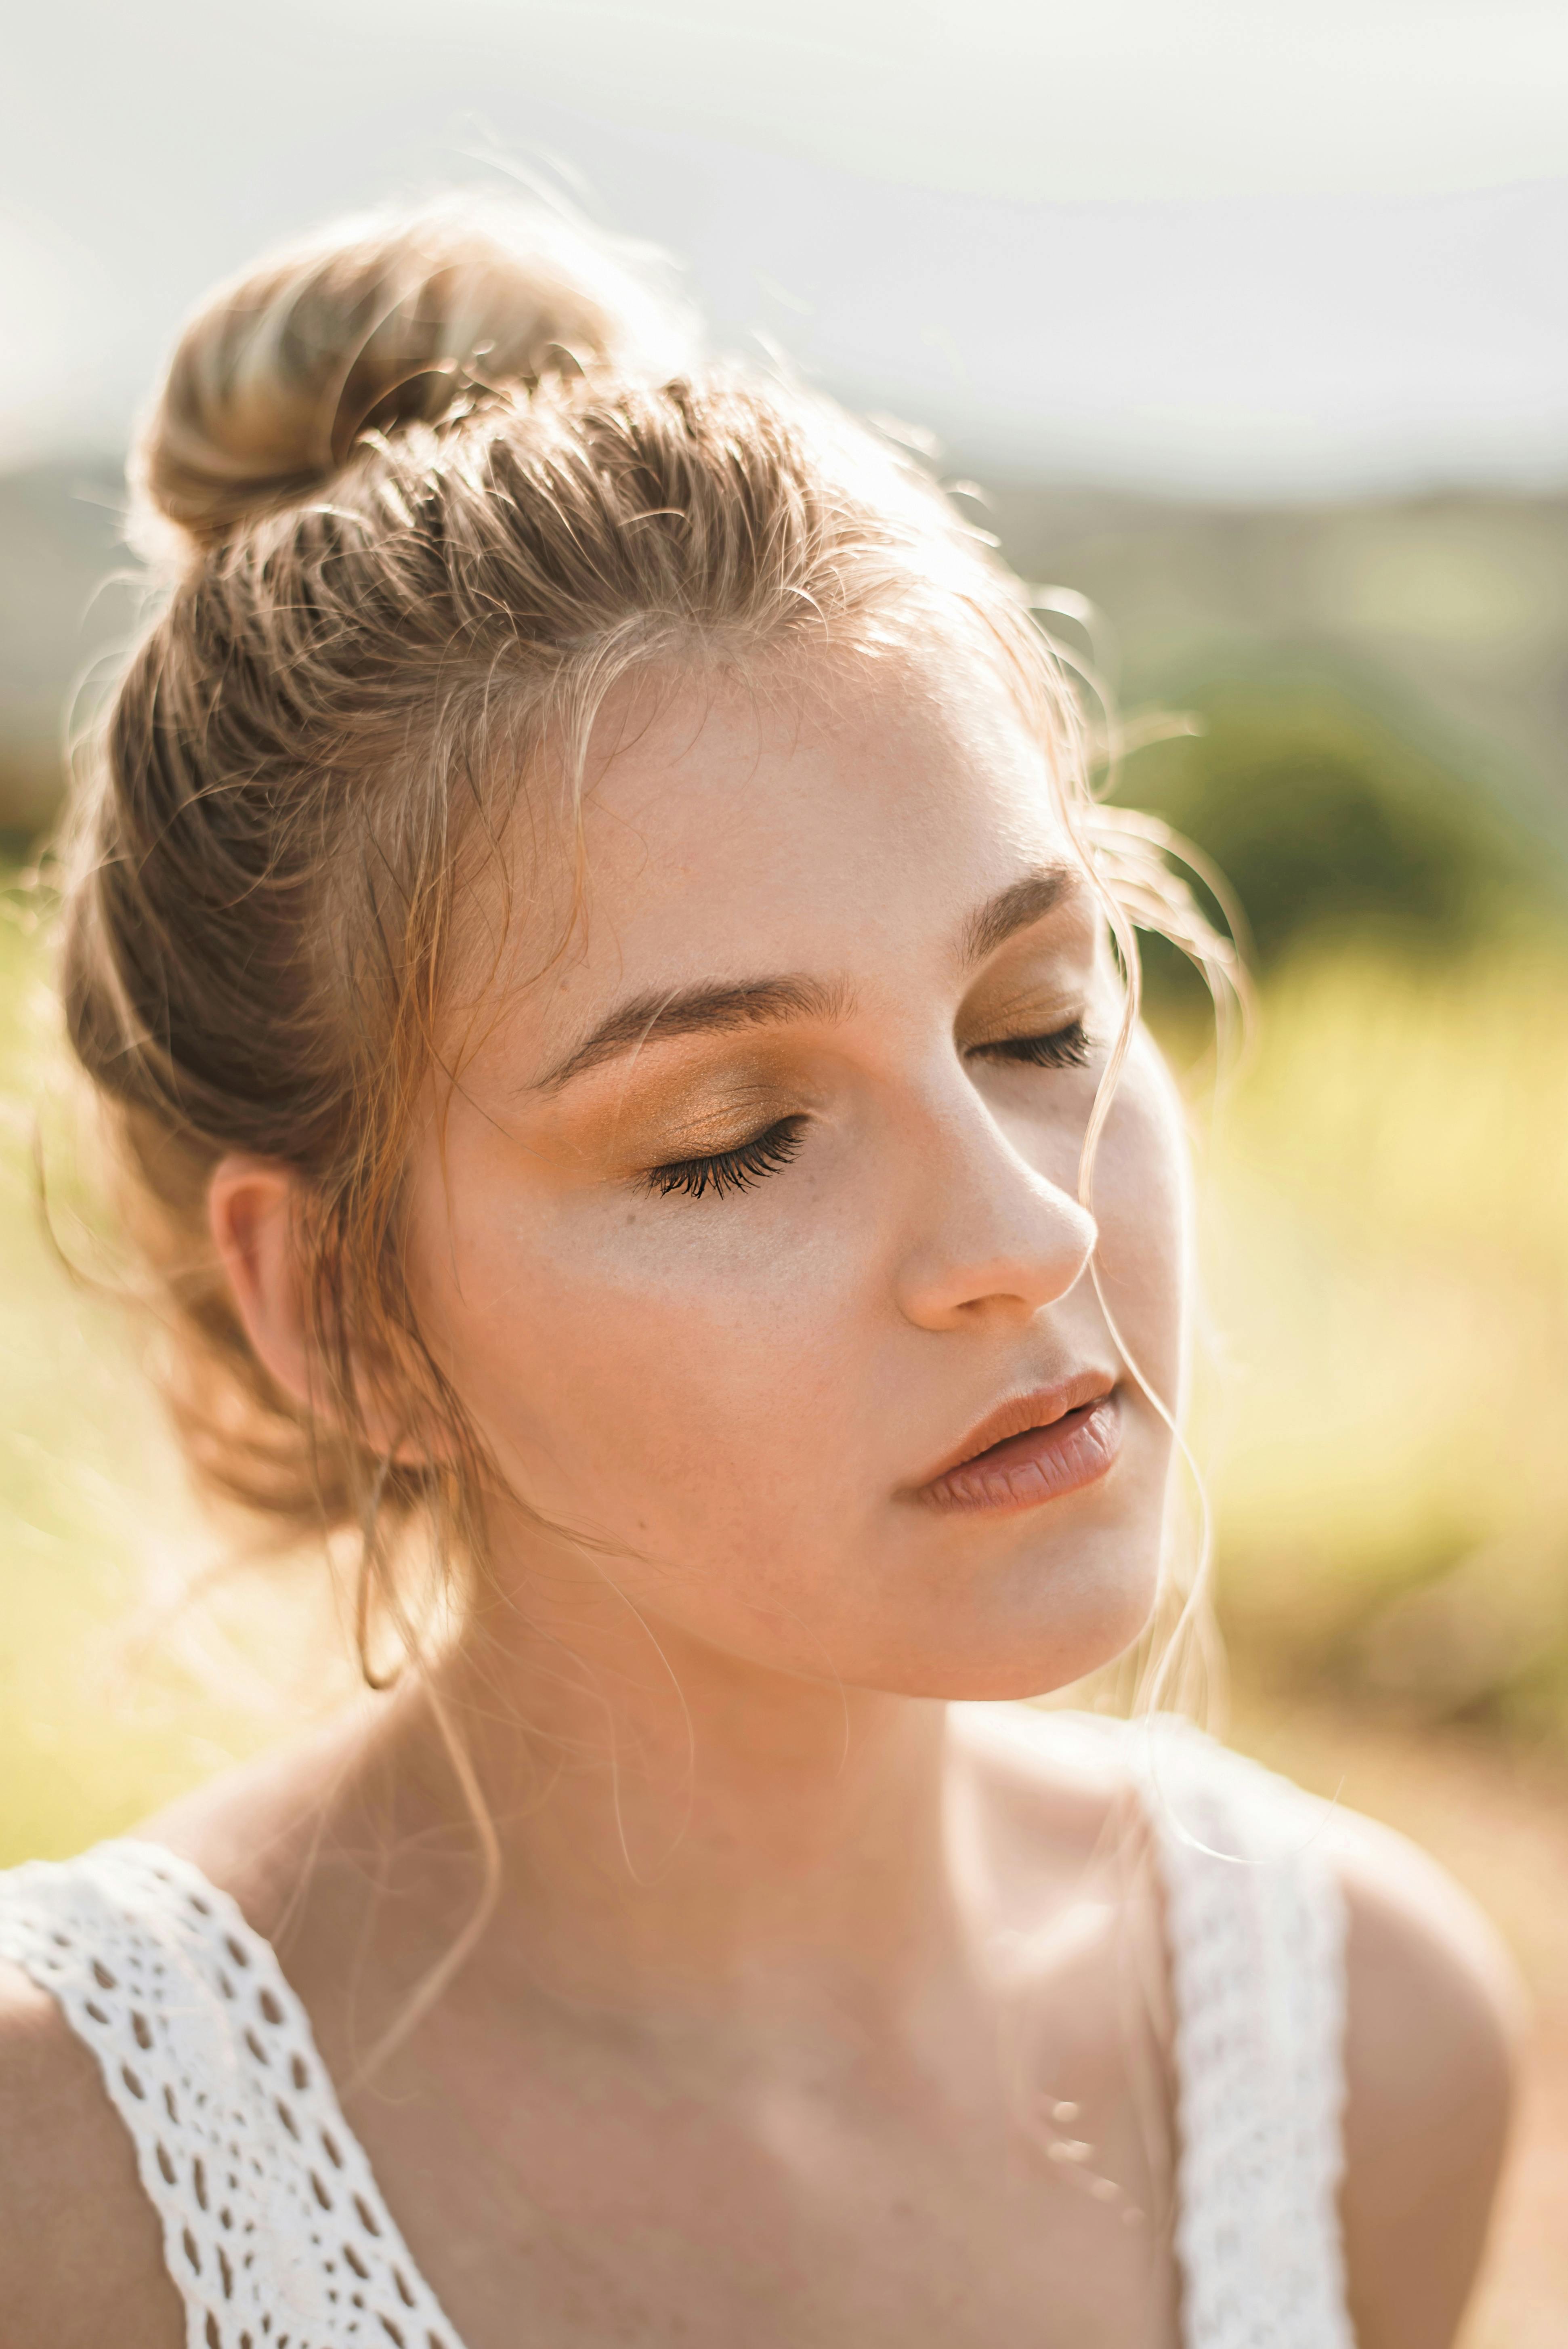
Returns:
(1256, 1937)
(273, 2230)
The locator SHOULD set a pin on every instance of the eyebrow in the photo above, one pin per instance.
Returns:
(657, 1016)
(1022, 903)
(699, 1011)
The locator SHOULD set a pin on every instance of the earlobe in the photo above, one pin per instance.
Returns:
(253, 1210)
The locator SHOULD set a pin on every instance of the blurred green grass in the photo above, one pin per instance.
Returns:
(116, 1690)
(1382, 1406)
(1386, 1253)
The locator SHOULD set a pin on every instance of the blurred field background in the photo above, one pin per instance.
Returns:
(1250, 337)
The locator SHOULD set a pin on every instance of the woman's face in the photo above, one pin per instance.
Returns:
(757, 1215)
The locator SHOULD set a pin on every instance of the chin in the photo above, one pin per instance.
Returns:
(1058, 1609)
(1032, 1652)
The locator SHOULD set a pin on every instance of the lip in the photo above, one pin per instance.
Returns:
(1035, 1447)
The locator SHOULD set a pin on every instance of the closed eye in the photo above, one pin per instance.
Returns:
(1064, 1048)
(740, 1169)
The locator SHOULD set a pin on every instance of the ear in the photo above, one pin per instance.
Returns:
(253, 1211)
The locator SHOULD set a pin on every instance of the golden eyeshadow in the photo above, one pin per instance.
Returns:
(1019, 1012)
(681, 1114)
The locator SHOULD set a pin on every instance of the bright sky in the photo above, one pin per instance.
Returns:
(1251, 246)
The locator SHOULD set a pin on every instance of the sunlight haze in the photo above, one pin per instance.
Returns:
(1237, 249)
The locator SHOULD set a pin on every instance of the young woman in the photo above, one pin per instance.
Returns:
(604, 967)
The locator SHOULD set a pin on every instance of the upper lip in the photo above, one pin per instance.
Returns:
(1039, 1407)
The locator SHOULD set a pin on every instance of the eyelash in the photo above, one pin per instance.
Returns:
(1069, 1048)
(730, 1170)
(751, 1163)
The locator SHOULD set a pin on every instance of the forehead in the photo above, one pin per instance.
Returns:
(833, 810)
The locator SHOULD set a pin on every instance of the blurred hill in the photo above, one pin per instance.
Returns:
(59, 546)
(1455, 605)
(1379, 689)
(1382, 688)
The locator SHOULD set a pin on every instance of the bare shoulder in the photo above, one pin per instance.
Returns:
(1436, 2016)
(1435, 2021)
(263, 1831)
(81, 2249)
(81, 2255)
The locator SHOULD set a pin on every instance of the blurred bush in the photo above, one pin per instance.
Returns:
(1328, 820)
(1386, 1241)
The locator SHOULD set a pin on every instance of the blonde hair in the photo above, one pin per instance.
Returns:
(425, 489)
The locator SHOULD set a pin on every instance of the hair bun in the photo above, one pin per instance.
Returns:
(377, 324)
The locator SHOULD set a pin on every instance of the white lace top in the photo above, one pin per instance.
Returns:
(277, 2237)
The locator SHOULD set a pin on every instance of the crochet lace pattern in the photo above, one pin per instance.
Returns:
(277, 2237)
(1256, 1928)
(274, 2228)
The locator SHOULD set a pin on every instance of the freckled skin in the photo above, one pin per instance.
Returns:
(758, 1379)
(797, 2018)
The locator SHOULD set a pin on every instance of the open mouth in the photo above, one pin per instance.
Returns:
(1060, 1451)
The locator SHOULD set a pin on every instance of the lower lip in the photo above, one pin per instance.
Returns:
(1042, 1464)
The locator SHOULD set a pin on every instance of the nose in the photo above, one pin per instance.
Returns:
(993, 1239)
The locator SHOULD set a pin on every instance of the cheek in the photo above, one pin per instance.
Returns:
(1142, 1207)
(624, 1358)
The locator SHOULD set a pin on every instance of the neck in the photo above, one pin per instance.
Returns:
(678, 1830)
